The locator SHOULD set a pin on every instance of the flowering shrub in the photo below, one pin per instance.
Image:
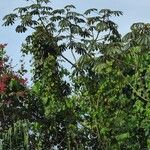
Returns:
(13, 90)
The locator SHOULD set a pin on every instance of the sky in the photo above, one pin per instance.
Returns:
(133, 11)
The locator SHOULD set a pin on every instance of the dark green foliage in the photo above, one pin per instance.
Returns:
(104, 102)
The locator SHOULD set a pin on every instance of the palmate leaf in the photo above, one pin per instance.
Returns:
(117, 13)
(68, 7)
(56, 18)
(29, 23)
(102, 26)
(43, 12)
(97, 46)
(21, 29)
(46, 8)
(75, 29)
(128, 37)
(85, 33)
(9, 19)
(26, 20)
(58, 11)
(137, 26)
(60, 38)
(62, 47)
(92, 20)
(64, 23)
(80, 48)
(51, 27)
(71, 45)
(43, 1)
(87, 12)
(143, 40)
(105, 11)
(21, 9)
(35, 12)
(35, 6)
(73, 14)
(139, 35)
(29, 39)
(79, 20)
(83, 60)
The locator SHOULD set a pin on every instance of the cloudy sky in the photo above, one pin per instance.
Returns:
(134, 11)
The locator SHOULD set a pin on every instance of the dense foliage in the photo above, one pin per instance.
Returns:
(102, 102)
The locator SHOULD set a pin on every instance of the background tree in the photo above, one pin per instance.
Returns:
(105, 103)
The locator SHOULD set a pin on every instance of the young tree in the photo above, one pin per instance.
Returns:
(105, 104)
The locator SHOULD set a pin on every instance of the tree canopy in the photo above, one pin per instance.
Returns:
(102, 102)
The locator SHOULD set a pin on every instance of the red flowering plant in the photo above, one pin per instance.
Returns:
(17, 101)
(13, 91)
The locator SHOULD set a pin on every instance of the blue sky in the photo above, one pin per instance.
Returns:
(134, 11)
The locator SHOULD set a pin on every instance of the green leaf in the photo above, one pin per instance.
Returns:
(68, 7)
(58, 11)
(20, 29)
(87, 12)
(9, 19)
(102, 26)
(123, 136)
(92, 20)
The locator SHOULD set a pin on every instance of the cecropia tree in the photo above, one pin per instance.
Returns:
(104, 102)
